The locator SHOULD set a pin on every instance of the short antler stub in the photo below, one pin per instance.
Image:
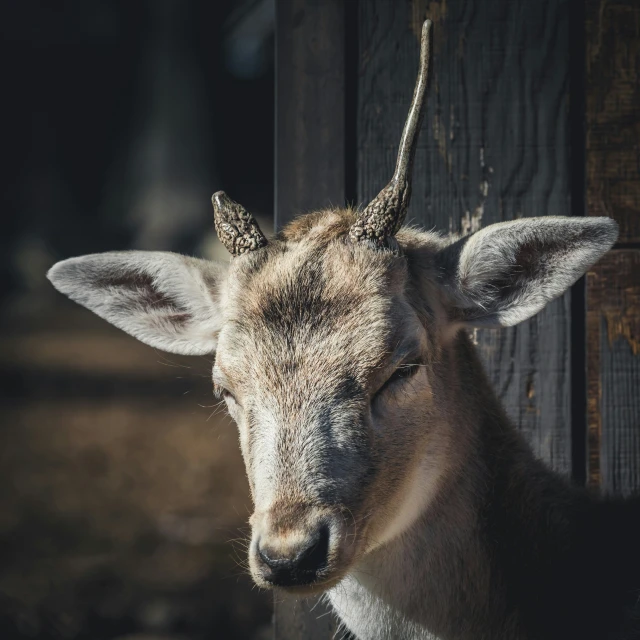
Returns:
(384, 215)
(236, 227)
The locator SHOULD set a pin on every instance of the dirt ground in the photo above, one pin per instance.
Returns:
(123, 502)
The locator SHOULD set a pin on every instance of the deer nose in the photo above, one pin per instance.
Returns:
(298, 565)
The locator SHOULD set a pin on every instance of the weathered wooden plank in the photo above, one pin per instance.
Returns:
(613, 104)
(613, 287)
(310, 174)
(613, 370)
(495, 146)
(310, 108)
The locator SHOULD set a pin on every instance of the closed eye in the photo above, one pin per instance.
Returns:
(403, 372)
(222, 393)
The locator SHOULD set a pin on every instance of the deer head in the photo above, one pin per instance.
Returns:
(336, 349)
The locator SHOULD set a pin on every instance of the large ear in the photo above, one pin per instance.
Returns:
(167, 301)
(509, 271)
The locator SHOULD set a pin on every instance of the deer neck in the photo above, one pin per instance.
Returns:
(417, 584)
(497, 552)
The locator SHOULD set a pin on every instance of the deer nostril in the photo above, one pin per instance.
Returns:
(314, 557)
(272, 563)
(300, 566)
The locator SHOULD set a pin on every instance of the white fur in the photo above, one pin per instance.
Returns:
(507, 272)
(178, 313)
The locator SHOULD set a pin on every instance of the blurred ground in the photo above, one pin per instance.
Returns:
(122, 489)
(120, 486)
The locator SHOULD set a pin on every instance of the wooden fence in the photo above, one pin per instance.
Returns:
(533, 109)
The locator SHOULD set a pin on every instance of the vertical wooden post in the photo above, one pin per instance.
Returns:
(310, 107)
(613, 286)
(310, 174)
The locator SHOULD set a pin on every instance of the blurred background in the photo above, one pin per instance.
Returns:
(123, 502)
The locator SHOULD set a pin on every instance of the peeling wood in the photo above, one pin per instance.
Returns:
(471, 222)
(612, 61)
(440, 136)
(436, 11)
(613, 104)
(625, 324)
(613, 362)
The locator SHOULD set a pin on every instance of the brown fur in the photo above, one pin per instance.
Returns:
(438, 519)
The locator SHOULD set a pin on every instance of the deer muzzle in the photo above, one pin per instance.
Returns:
(299, 546)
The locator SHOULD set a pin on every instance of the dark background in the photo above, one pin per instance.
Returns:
(122, 483)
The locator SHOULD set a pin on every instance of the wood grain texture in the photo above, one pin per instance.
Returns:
(613, 113)
(613, 371)
(612, 60)
(494, 146)
(310, 108)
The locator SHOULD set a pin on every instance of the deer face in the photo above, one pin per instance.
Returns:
(334, 360)
(323, 363)
(333, 352)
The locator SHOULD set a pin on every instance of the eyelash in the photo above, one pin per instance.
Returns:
(403, 372)
(222, 393)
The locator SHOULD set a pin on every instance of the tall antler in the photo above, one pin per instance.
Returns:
(236, 227)
(384, 215)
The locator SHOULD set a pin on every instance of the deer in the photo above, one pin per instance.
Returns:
(383, 470)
